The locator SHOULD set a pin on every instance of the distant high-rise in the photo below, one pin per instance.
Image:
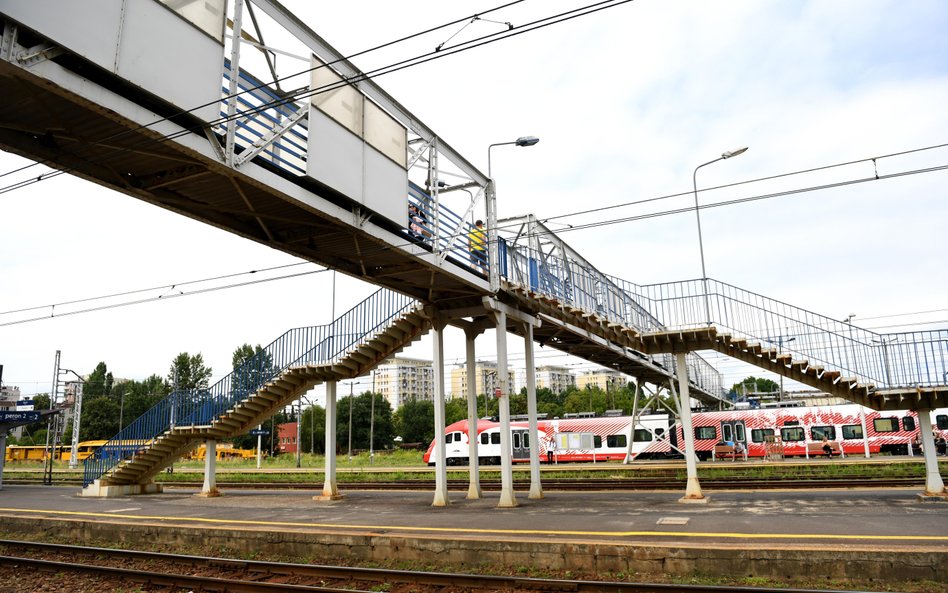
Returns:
(401, 380)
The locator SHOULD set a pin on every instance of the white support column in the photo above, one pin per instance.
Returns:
(635, 420)
(536, 488)
(865, 433)
(209, 490)
(507, 497)
(474, 488)
(693, 488)
(934, 485)
(441, 470)
(330, 490)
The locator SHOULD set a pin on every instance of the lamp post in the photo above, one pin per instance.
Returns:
(492, 247)
(694, 181)
(885, 357)
(780, 343)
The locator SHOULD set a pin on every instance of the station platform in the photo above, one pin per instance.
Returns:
(890, 534)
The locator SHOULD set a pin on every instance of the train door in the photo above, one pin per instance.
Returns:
(521, 444)
(734, 431)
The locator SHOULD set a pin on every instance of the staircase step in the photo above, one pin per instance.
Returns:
(830, 375)
(754, 348)
(784, 358)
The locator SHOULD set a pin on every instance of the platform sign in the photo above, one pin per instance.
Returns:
(259, 432)
(573, 441)
(24, 417)
(24, 405)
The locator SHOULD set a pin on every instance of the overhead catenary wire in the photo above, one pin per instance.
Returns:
(306, 93)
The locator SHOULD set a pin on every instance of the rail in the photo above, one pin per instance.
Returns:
(317, 345)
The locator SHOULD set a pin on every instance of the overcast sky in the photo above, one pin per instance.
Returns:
(626, 102)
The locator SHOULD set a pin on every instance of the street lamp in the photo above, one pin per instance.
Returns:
(492, 257)
(885, 356)
(694, 181)
(780, 343)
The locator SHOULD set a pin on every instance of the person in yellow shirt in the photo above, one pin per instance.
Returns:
(477, 244)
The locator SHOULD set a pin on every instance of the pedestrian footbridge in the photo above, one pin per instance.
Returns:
(328, 167)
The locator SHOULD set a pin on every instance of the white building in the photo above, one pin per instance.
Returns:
(555, 378)
(401, 380)
(603, 379)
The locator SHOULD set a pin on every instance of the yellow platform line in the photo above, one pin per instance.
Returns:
(456, 530)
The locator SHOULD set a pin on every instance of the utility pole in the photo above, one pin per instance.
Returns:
(372, 423)
(299, 431)
(350, 422)
(52, 434)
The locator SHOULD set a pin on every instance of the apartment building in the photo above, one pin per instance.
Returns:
(603, 379)
(401, 380)
(485, 377)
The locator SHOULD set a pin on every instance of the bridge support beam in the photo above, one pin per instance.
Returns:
(693, 488)
(536, 488)
(3, 453)
(330, 490)
(934, 485)
(474, 488)
(209, 490)
(507, 497)
(441, 470)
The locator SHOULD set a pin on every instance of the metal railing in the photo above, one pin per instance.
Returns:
(578, 286)
(318, 345)
(443, 230)
(895, 360)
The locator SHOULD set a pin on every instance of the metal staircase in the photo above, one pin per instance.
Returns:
(356, 342)
(906, 370)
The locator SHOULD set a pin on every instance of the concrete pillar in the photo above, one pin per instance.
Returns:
(693, 488)
(865, 432)
(209, 489)
(934, 485)
(635, 420)
(507, 497)
(536, 488)
(330, 490)
(474, 488)
(441, 469)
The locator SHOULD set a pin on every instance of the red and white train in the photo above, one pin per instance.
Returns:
(658, 436)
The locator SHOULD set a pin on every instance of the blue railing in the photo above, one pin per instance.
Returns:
(319, 345)
(442, 230)
(578, 286)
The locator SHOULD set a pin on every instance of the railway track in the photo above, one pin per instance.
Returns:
(161, 571)
(553, 485)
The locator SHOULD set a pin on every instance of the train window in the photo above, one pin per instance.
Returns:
(485, 438)
(526, 440)
(616, 440)
(793, 433)
(597, 442)
(641, 435)
(886, 424)
(852, 431)
(449, 438)
(739, 432)
(726, 433)
(495, 438)
(908, 424)
(759, 435)
(941, 421)
(458, 437)
(818, 432)
(706, 433)
(516, 440)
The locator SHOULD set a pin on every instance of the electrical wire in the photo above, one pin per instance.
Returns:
(277, 80)
(306, 93)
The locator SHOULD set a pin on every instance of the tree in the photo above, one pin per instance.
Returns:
(134, 398)
(314, 429)
(253, 366)
(384, 428)
(414, 421)
(189, 372)
(753, 385)
(100, 416)
(99, 382)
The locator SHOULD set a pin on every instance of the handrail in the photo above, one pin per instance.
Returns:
(317, 345)
(578, 286)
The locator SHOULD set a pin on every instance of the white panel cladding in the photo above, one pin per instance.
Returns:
(169, 57)
(141, 41)
(334, 155)
(89, 28)
(355, 147)
(386, 187)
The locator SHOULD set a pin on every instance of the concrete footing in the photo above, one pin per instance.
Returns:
(930, 497)
(98, 490)
(328, 497)
(695, 499)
